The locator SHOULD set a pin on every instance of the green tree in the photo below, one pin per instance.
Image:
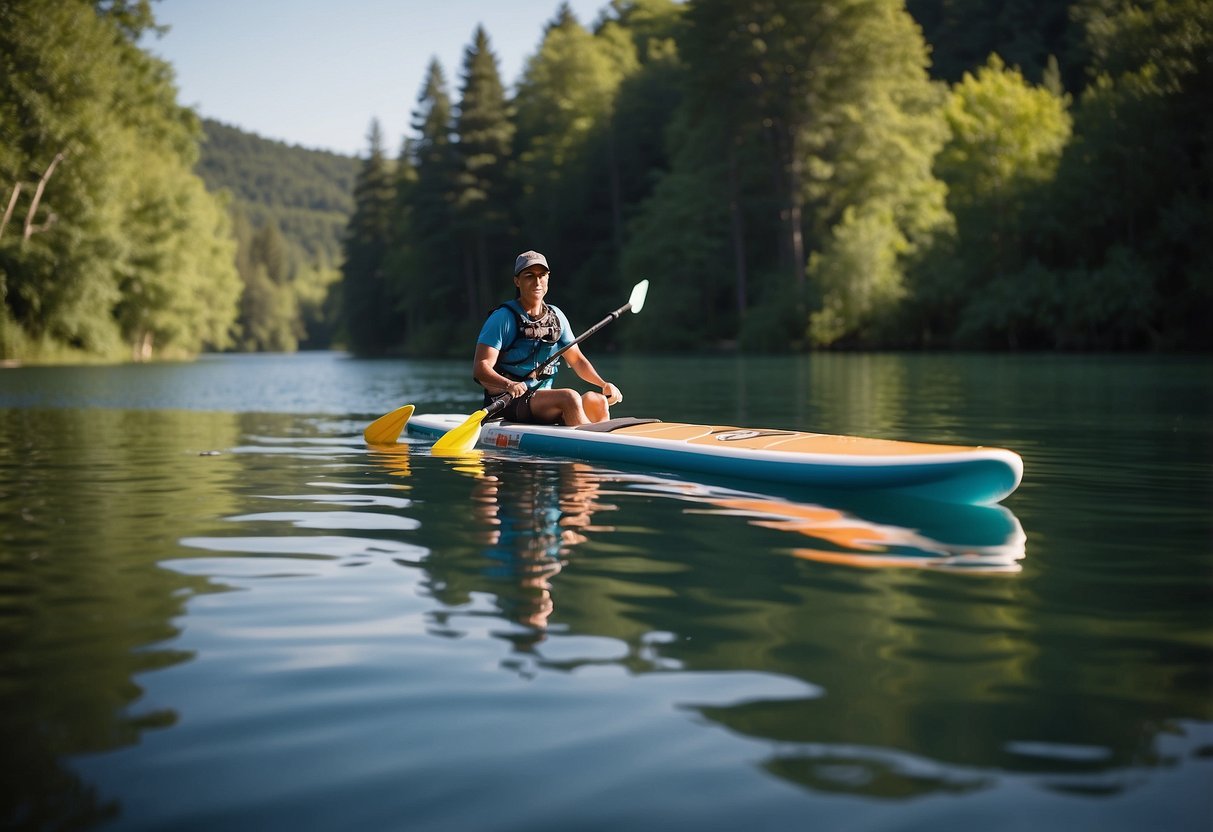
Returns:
(1026, 33)
(1007, 138)
(645, 105)
(270, 318)
(756, 60)
(316, 287)
(836, 93)
(565, 104)
(1136, 184)
(675, 238)
(100, 205)
(370, 314)
(427, 248)
(485, 134)
(179, 241)
(877, 205)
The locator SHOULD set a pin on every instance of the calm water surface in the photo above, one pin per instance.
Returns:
(220, 610)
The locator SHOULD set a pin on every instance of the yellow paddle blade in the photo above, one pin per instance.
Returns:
(461, 439)
(386, 429)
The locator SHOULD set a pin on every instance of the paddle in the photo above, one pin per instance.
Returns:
(463, 438)
(386, 429)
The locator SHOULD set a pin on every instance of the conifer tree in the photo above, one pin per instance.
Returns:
(370, 312)
(485, 134)
(269, 307)
(434, 284)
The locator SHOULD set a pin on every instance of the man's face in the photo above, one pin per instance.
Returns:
(532, 281)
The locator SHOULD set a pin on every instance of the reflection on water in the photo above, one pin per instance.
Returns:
(531, 513)
(858, 531)
(253, 621)
(83, 614)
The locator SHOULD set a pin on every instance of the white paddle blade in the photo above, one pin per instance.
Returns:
(639, 293)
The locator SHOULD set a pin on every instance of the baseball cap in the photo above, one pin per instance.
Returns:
(529, 258)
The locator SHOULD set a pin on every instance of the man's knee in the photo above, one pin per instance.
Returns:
(596, 406)
(566, 399)
(567, 402)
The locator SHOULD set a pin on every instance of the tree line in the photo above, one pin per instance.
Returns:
(797, 174)
(790, 174)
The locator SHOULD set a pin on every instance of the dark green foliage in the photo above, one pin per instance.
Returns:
(308, 194)
(369, 296)
(1024, 33)
(779, 168)
(483, 190)
(427, 261)
(1112, 250)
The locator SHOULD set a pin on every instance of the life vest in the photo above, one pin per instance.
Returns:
(534, 342)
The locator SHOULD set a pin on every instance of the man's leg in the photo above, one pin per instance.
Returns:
(562, 403)
(595, 407)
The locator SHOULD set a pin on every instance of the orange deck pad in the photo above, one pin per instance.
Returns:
(786, 440)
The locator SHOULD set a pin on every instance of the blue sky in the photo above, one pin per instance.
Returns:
(315, 72)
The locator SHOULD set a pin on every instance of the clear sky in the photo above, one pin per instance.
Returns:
(315, 72)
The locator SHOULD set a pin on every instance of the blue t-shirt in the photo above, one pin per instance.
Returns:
(519, 356)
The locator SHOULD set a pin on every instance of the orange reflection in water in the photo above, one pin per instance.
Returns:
(973, 538)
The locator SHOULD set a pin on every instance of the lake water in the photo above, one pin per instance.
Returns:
(220, 610)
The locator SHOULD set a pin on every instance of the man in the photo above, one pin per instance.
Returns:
(519, 336)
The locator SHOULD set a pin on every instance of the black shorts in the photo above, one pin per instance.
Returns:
(519, 410)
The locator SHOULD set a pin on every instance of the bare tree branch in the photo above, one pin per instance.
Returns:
(12, 203)
(30, 228)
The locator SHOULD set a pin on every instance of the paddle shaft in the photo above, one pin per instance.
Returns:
(500, 401)
(552, 358)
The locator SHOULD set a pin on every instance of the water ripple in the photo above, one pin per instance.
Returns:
(333, 520)
(321, 546)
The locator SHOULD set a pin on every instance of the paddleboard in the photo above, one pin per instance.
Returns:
(951, 473)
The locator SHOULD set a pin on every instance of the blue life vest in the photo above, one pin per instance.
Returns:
(534, 342)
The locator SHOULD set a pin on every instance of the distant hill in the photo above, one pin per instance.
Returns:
(309, 193)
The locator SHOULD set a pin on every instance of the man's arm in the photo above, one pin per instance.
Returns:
(585, 370)
(491, 380)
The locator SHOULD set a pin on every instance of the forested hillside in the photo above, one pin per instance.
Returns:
(308, 193)
(289, 206)
(796, 174)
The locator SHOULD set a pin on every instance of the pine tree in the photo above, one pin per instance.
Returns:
(433, 283)
(485, 135)
(370, 313)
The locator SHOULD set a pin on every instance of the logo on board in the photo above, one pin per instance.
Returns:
(738, 435)
(501, 439)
